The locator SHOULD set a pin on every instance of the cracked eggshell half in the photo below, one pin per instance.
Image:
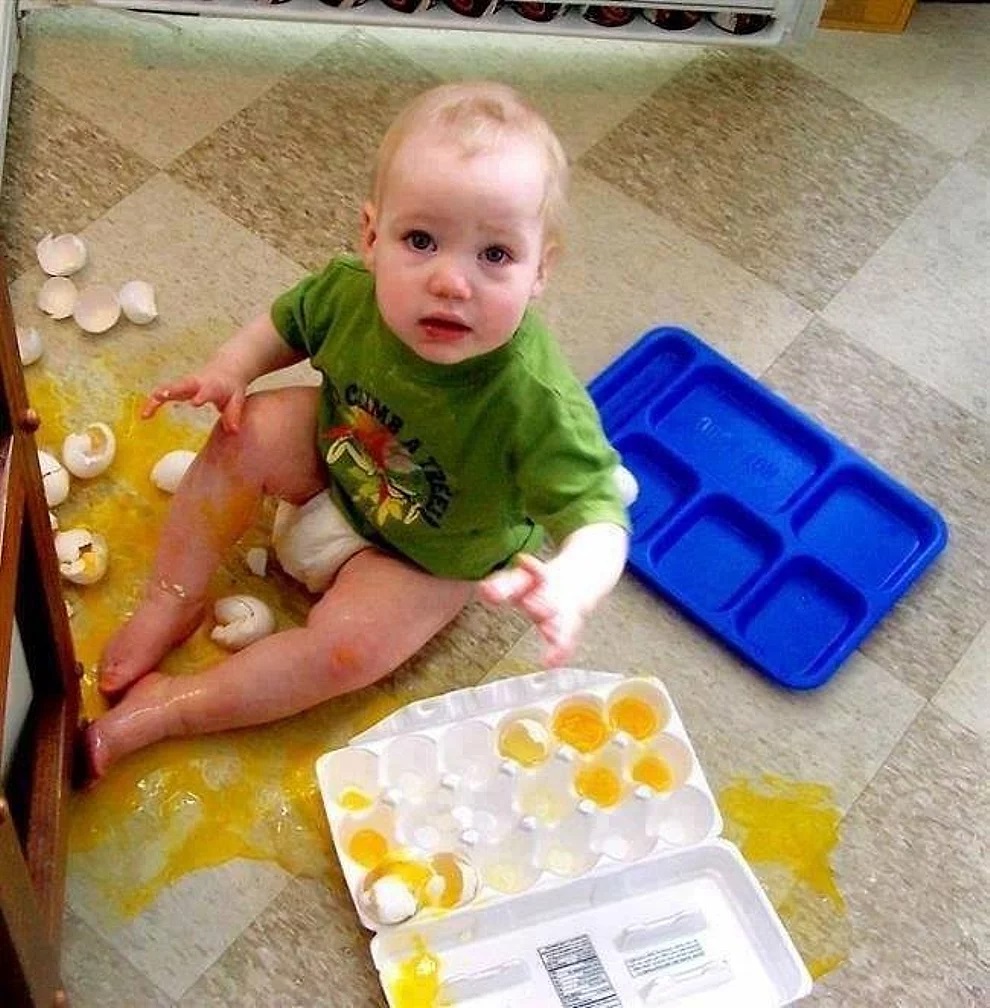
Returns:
(29, 344)
(57, 297)
(96, 309)
(241, 620)
(89, 453)
(55, 478)
(83, 556)
(168, 471)
(61, 255)
(137, 299)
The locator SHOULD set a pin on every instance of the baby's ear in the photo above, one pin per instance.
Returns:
(547, 263)
(369, 234)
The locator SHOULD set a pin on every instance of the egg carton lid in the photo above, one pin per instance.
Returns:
(691, 927)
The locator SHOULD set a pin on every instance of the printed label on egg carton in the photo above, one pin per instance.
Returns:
(525, 784)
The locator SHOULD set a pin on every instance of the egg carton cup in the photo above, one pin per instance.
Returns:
(431, 779)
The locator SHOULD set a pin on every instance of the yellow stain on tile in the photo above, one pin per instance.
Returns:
(787, 830)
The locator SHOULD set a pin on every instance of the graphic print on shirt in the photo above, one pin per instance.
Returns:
(391, 483)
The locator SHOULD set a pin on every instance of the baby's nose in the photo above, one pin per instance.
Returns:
(448, 280)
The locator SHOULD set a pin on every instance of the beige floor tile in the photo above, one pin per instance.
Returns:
(61, 173)
(97, 976)
(319, 128)
(978, 155)
(934, 447)
(966, 693)
(187, 928)
(627, 270)
(175, 80)
(923, 300)
(932, 79)
(913, 868)
(306, 948)
(742, 724)
(773, 167)
(585, 87)
(209, 275)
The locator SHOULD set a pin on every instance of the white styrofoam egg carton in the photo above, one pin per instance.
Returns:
(510, 827)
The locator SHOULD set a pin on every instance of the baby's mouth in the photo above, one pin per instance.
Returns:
(443, 328)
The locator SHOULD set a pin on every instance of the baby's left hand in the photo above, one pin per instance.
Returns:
(556, 608)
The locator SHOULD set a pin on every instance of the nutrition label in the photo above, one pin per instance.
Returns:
(577, 974)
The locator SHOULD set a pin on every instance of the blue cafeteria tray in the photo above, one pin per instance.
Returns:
(753, 519)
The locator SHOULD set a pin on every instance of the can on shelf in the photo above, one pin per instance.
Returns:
(738, 23)
(610, 16)
(672, 20)
(409, 6)
(539, 11)
(474, 8)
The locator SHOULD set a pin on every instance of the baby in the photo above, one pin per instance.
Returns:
(448, 433)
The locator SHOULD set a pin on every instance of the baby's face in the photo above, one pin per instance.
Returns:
(456, 245)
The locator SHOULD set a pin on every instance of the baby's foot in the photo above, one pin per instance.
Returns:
(162, 620)
(139, 719)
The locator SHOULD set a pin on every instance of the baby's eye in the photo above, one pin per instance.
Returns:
(496, 255)
(419, 241)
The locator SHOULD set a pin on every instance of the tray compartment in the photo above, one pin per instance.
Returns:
(740, 437)
(714, 554)
(862, 528)
(644, 375)
(665, 483)
(799, 617)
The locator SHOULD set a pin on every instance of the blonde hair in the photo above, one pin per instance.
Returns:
(478, 115)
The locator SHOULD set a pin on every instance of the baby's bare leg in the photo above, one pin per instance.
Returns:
(377, 613)
(273, 453)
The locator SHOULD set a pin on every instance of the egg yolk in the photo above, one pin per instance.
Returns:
(368, 847)
(353, 799)
(600, 784)
(524, 741)
(581, 726)
(635, 717)
(417, 980)
(653, 772)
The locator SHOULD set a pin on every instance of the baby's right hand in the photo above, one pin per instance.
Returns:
(223, 390)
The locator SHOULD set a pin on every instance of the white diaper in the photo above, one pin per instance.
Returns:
(314, 540)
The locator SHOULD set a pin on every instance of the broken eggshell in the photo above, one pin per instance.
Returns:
(57, 297)
(137, 299)
(29, 344)
(89, 453)
(168, 471)
(54, 477)
(241, 620)
(96, 309)
(83, 556)
(256, 559)
(61, 255)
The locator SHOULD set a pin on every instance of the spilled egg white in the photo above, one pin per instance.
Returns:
(89, 453)
(55, 478)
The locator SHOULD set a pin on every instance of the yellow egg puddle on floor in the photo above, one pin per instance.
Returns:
(191, 804)
(787, 831)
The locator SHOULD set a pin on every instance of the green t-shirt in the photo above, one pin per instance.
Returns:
(454, 466)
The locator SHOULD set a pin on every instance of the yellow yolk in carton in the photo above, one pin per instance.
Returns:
(368, 848)
(525, 741)
(580, 724)
(635, 717)
(654, 772)
(600, 784)
(417, 979)
(353, 799)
